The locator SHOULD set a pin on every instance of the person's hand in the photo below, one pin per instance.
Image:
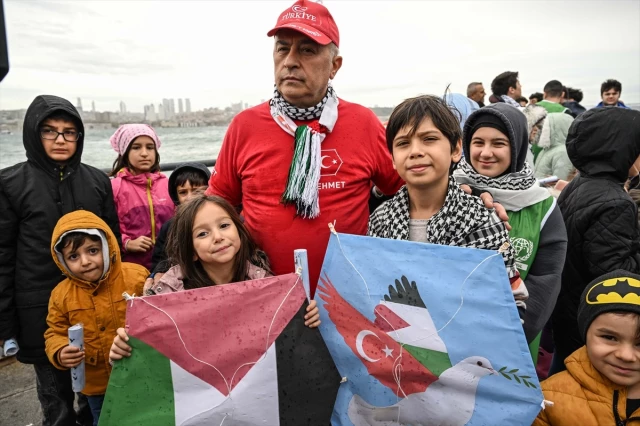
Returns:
(139, 245)
(405, 293)
(119, 348)
(487, 199)
(561, 184)
(312, 318)
(151, 281)
(70, 356)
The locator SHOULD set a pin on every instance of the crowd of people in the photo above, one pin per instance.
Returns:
(444, 170)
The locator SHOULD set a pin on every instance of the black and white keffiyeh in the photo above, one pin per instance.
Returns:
(516, 181)
(514, 191)
(304, 172)
(462, 221)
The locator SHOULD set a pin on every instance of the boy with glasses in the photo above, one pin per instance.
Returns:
(33, 195)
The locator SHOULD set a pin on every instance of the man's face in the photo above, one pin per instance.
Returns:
(515, 92)
(610, 97)
(479, 94)
(302, 68)
(613, 348)
(59, 149)
(533, 101)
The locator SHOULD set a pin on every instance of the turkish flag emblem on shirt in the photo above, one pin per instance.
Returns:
(330, 162)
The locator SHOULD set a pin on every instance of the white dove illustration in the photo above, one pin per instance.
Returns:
(450, 401)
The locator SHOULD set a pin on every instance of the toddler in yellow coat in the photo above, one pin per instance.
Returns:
(602, 383)
(87, 252)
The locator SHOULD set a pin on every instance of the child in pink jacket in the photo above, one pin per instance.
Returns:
(140, 191)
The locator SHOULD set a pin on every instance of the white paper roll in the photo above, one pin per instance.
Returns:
(76, 339)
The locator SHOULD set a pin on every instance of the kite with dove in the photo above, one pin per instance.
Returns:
(410, 354)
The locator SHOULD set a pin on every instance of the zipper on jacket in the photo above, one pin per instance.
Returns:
(153, 216)
(616, 416)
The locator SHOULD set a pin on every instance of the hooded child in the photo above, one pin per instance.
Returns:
(186, 181)
(87, 252)
(424, 139)
(140, 191)
(602, 383)
(34, 194)
(495, 142)
(600, 217)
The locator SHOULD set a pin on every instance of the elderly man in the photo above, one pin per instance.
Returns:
(475, 92)
(306, 157)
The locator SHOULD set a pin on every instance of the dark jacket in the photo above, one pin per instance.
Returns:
(575, 108)
(33, 196)
(159, 253)
(600, 217)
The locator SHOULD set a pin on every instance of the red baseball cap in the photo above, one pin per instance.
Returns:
(311, 19)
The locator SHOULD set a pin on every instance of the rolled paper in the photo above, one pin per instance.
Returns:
(10, 347)
(76, 339)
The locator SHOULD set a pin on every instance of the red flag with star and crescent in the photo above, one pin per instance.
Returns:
(384, 358)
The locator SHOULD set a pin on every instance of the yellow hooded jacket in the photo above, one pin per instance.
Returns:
(99, 306)
(582, 396)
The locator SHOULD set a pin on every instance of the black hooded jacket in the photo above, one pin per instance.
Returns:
(159, 253)
(33, 196)
(601, 218)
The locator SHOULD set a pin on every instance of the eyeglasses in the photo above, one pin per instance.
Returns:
(67, 135)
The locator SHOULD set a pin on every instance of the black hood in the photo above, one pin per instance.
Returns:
(605, 142)
(198, 167)
(516, 124)
(41, 108)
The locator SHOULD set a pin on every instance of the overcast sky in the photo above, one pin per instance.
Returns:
(217, 52)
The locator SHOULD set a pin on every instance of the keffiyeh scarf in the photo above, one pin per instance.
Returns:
(510, 101)
(514, 191)
(304, 172)
(456, 223)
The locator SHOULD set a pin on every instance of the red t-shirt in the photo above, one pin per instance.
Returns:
(252, 170)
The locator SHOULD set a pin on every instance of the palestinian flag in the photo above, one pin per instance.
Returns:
(235, 354)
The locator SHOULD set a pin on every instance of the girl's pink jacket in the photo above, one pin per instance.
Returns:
(143, 204)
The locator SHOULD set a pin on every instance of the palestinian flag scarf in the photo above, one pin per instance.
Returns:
(304, 172)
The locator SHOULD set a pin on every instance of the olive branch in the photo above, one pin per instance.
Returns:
(514, 376)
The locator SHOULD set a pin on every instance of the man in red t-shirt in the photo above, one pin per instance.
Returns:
(306, 157)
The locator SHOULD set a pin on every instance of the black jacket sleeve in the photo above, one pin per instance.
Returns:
(109, 212)
(612, 241)
(159, 253)
(8, 238)
(545, 276)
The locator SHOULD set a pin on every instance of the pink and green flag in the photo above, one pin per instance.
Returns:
(235, 354)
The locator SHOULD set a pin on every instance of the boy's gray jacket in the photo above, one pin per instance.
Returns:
(33, 195)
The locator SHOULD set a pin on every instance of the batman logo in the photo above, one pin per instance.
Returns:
(616, 290)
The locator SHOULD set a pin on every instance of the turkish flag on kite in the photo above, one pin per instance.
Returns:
(383, 357)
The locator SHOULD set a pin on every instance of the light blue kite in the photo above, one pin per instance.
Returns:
(424, 335)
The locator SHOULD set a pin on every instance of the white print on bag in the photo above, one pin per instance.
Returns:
(330, 162)
(524, 250)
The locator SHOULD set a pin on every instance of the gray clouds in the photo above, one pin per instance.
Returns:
(217, 52)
